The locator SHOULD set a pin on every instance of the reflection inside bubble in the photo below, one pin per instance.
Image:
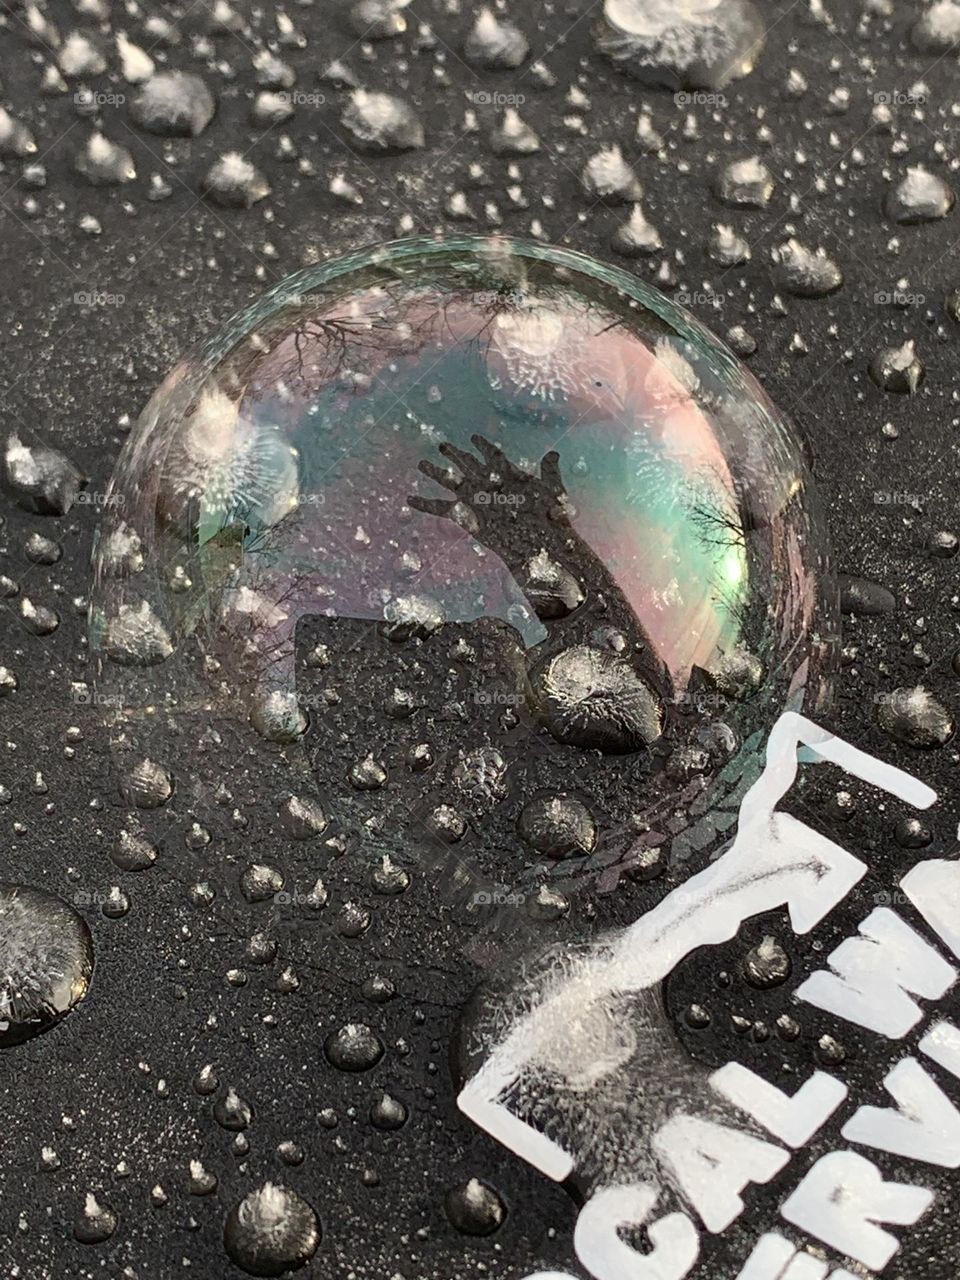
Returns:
(478, 443)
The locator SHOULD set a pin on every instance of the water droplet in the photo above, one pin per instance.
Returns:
(271, 1232)
(805, 272)
(97, 1223)
(898, 369)
(767, 965)
(353, 1048)
(103, 162)
(914, 717)
(235, 183)
(682, 43)
(608, 176)
(475, 1209)
(557, 826)
(388, 1113)
(46, 961)
(173, 104)
(746, 184)
(41, 479)
(920, 197)
(380, 122)
(495, 43)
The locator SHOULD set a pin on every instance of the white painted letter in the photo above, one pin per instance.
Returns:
(874, 973)
(844, 1197)
(925, 1127)
(675, 1240)
(793, 1120)
(713, 1163)
(934, 889)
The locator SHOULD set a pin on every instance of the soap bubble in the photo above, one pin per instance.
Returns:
(464, 498)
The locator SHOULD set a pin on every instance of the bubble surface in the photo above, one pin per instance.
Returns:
(475, 449)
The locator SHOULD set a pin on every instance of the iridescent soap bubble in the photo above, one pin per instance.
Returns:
(496, 490)
(46, 961)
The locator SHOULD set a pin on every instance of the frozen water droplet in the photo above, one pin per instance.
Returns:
(135, 637)
(595, 699)
(353, 1048)
(81, 55)
(898, 369)
(914, 717)
(513, 137)
(15, 138)
(805, 272)
(746, 184)
(921, 196)
(475, 1208)
(104, 163)
(557, 826)
(97, 1222)
(173, 104)
(388, 1113)
(728, 248)
(302, 819)
(271, 1232)
(608, 176)
(767, 965)
(937, 30)
(692, 44)
(136, 65)
(235, 183)
(259, 882)
(494, 43)
(46, 960)
(41, 479)
(378, 19)
(382, 122)
(231, 1112)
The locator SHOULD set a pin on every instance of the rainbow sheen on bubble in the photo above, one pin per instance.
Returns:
(470, 436)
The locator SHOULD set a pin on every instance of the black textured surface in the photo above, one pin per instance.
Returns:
(160, 1006)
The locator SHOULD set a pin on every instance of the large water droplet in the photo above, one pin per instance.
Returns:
(46, 959)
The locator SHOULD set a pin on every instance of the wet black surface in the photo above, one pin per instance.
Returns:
(110, 1089)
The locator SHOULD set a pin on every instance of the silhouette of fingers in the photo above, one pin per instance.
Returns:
(550, 472)
(496, 459)
(440, 474)
(469, 466)
(430, 506)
